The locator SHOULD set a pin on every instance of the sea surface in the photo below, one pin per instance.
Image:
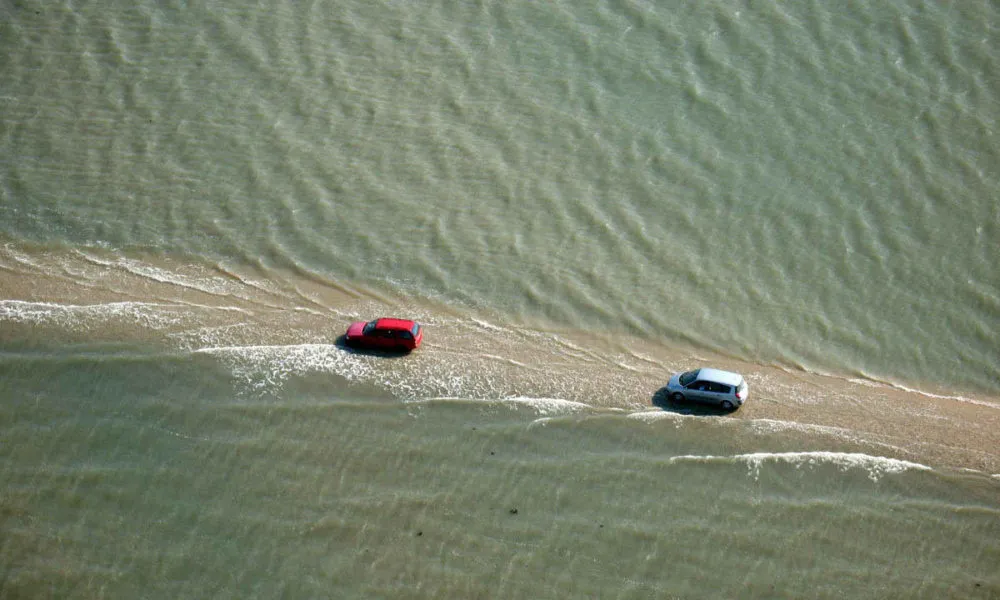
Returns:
(576, 199)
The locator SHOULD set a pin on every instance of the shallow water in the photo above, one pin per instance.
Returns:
(129, 476)
(576, 201)
(215, 438)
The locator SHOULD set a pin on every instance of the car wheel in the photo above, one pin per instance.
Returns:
(677, 397)
(727, 405)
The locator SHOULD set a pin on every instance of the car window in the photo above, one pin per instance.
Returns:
(369, 328)
(688, 377)
(406, 335)
(719, 388)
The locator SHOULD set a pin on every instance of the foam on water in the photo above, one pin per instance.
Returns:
(209, 284)
(486, 324)
(773, 425)
(955, 397)
(876, 466)
(213, 335)
(653, 416)
(874, 383)
(765, 183)
(268, 341)
(150, 315)
(265, 369)
(549, 406)
(19, 256)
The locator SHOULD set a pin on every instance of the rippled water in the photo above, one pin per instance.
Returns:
(577, 201)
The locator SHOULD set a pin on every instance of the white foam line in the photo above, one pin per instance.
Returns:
(626, 367)
(203, 336)
(54, 305)
(877, 466)
(86, 256)
(432, 399)
(652, 415)
(873, 383)
(261, 284)
(250, 350)
(865, 382)
(43, 312)
(210, 285)
(509, 361)
(19, 257)
(150, 312)
(266, 367)
(486, 325)
(943, 396)
(213, 307)
(548, 406)
(774, 425)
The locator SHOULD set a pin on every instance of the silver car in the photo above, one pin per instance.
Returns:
(712, 386)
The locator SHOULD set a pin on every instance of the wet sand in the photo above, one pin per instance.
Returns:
(99, 298)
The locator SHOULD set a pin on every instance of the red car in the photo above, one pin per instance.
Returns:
(400, 335)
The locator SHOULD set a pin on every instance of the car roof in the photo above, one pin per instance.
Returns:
(720, 376)
(402, 324)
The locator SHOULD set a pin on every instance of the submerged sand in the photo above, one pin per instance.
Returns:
(286, 324)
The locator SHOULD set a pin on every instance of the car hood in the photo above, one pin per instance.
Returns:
(675, 382)
(355, 329)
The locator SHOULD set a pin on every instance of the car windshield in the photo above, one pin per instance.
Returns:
(369, 328)
(688, 377)
(416, 329)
